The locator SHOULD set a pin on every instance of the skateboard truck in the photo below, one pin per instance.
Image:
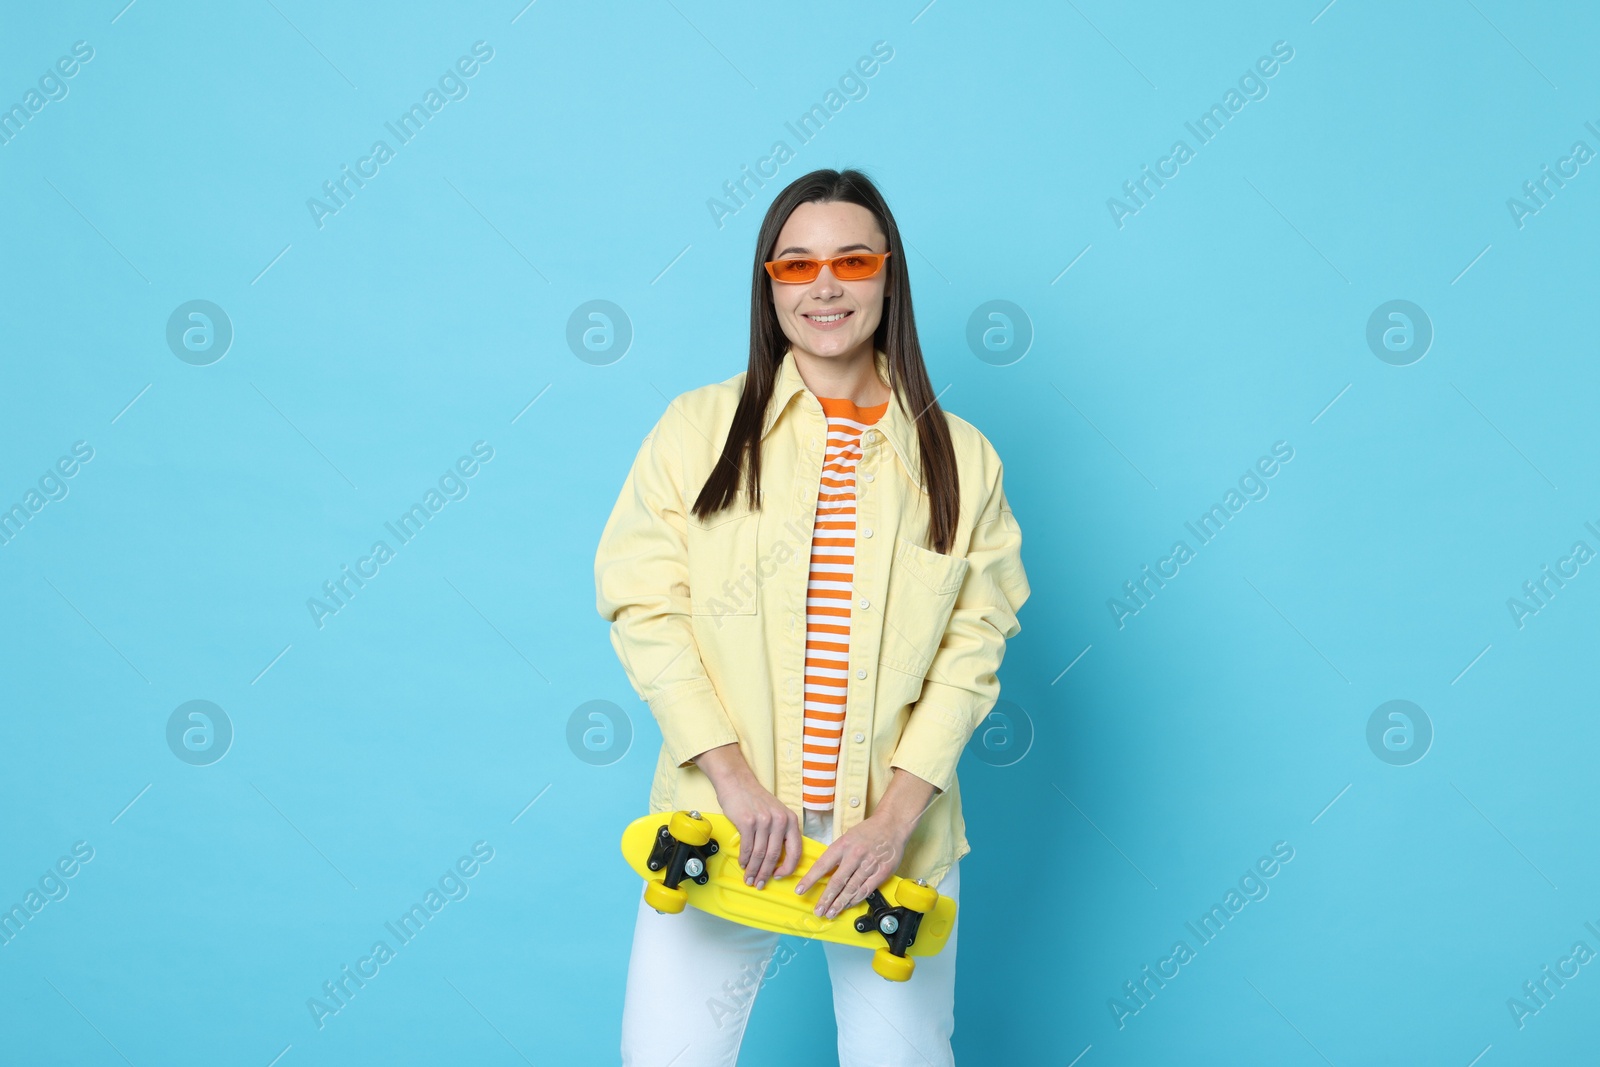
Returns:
(681, 849)
(898, 924)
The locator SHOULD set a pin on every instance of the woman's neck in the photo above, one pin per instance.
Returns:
(852, 377)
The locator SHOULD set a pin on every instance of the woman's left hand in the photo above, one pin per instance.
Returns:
(858, 862)
(868, 853)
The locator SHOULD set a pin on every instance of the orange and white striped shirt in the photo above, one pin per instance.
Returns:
(833, 554)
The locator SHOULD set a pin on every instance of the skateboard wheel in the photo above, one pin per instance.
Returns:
(665, 900)
(895, 968)
(920, 898)
(690, 829)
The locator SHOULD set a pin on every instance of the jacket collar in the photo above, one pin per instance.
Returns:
(896, 424)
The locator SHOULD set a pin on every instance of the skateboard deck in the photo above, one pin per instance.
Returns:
(693, 858)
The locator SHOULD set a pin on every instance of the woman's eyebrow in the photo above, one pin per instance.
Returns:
(837, 251)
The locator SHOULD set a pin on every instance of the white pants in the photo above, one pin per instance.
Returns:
(693, 978)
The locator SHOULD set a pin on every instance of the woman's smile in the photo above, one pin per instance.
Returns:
(826, 320)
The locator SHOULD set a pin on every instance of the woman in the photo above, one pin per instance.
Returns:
(810, 575)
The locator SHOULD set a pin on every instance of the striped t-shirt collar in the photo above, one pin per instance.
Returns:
(845, 408)
(895, 424)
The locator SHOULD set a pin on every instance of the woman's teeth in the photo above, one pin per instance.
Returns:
(828, 318)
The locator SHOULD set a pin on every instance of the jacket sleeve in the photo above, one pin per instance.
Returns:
(961, 684)
(641, 576)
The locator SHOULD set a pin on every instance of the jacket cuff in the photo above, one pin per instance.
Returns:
(692, 720)
(936, 732)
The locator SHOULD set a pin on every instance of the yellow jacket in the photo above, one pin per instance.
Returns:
(708, 616)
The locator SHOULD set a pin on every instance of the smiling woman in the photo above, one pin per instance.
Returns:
(887, 532)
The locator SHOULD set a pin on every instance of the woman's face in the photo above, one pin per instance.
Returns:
(825, 317)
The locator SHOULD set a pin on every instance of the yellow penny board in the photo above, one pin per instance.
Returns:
(776, 907)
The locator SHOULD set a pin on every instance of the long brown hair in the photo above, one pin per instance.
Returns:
(896, 335)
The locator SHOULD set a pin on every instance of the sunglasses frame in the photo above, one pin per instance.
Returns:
(882, 257)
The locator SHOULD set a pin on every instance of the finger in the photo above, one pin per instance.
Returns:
(836, 883)
(851, 893)
(818, 866)
(873, 871)
(770, 859)
(758, 852)
(874, 875)
(869, 874)
(747, 839)
(825, 863)
(791, 848)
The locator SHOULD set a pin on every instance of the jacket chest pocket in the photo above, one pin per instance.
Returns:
(923, 585)
(723, 579)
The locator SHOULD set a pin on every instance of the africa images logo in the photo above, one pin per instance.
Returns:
(452, 85)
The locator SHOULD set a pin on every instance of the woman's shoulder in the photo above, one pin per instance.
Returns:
(712, 397)
(703, 406)
(974, 451)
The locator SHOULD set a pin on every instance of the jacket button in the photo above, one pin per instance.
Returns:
(858, 738)
(866, 531)
(865, 603)
(855, 802)
(867, 475)
(861, 672)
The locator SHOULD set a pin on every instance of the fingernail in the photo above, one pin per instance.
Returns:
(761, 884)
(747, 879)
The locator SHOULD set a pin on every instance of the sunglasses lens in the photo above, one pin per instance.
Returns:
(796, 270)
(852, 268)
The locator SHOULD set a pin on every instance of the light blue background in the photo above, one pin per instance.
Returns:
(431, 312)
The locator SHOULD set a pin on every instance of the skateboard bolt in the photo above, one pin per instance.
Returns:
(694, 814)
(888, 924)
(693, 867)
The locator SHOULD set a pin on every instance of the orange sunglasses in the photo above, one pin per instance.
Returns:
(850, 267)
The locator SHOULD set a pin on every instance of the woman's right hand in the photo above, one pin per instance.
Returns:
(768, 831)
